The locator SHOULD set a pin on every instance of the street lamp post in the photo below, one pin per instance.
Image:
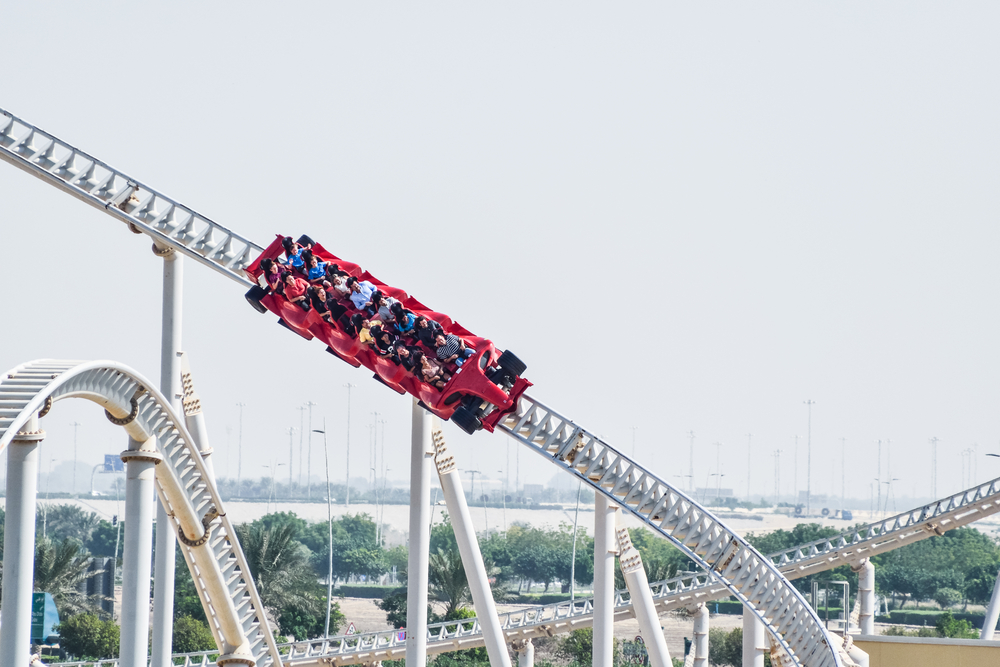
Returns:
(329, 523)
(239, 452)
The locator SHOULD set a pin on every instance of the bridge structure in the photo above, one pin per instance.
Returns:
(168, 450)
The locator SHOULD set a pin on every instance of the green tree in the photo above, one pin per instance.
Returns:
(394, 606)
(88, 637)
(447, 580)
(66, 521)
(308, 621)
(279, 565)
(192, 635)
(725, 648)
(578, 647)
(947, 597)
(59, 570)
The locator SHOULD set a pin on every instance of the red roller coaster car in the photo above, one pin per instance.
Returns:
(478, 395)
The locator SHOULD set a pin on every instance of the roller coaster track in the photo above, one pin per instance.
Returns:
(734, 565)
(207, 539)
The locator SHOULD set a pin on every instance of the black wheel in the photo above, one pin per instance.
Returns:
(798, 510)
(466, 420)
(305, 240)
(254, 296)
(509, 362)
(826, 511)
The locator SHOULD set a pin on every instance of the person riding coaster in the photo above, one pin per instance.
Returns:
(474, 394)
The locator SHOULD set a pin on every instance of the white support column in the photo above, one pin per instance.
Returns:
(472, 558)
(170, 377)
(642, 601)
(525, 653)
(140, 463)
(866, 592)
(753, 640)
(992, 613)
(700, 631)
(19, 545)
(605, 550)
(194, 418)
(421, 460)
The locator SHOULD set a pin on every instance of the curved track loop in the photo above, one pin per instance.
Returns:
(183, 486)
(848, 547)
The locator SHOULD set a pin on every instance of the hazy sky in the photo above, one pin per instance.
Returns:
(681, 216)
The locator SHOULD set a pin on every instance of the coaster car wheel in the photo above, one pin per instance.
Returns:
(466, 420)
(509, 362)
(254, 296)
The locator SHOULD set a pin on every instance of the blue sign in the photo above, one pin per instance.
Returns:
(113, 463)
(43, 617)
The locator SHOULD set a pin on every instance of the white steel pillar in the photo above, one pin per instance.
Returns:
(421, 460)
(992, 613)
(866, 593)
(19, 545)
(700, 644)
(605, 550)
(170, 377)
(525, 653)
(642, 601)
(472, 558)
(753, 640)
(140, 462)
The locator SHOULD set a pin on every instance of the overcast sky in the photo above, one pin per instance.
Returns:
(683, 217)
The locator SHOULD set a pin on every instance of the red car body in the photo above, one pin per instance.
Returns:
(471, 380)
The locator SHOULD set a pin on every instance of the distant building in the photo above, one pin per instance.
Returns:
(532, 490)
(712, 493)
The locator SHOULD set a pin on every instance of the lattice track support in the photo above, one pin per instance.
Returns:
(196, 512)
(642, 601)
(748, 575)
(472, 558)
(19, 544)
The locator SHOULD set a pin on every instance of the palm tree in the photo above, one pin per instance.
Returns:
(447, 579)
(60, 568)
(279, 565)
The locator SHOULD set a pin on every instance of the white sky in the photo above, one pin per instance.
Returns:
(682, 217)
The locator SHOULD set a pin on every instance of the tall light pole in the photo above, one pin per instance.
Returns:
(329, 524)
(572, 563)
(718, 463)
(878, 472)
(75, 426)
(302, 436)
(691, 462)
(934, 442)
(634, 429)
(239, 453)
(309, 452)
(347, 499)
(843, 473)
(373, 450)
(274, 468)
(777, 475)
(291, 430)
(809, 404)
(795, 473)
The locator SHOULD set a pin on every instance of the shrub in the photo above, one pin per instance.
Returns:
(725, 648)
(87, 636)
(192, 635)
(949, 626)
